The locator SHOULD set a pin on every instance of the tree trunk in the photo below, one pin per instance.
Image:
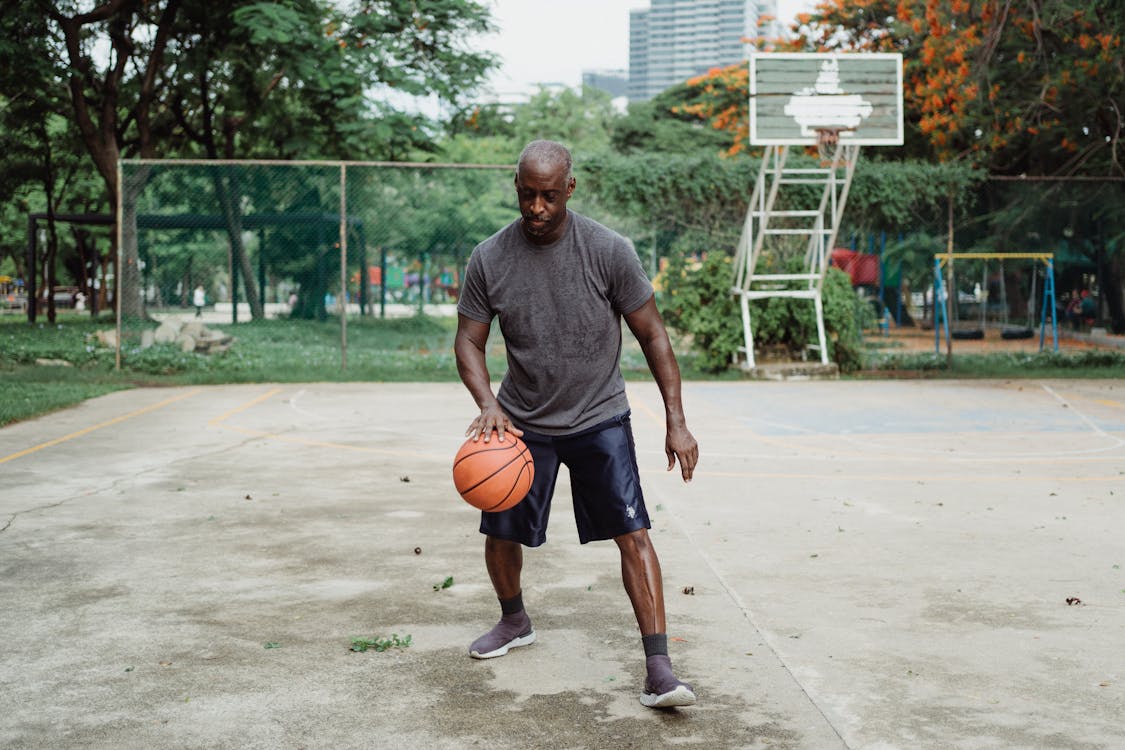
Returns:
(1111, 280)
(229, 196)
(132, 293)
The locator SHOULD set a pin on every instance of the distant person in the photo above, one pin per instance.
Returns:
(1088, 308)
(199, 299)
(560, 284)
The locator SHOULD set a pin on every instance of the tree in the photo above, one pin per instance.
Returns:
(279, 79)
(1016, 86)
(657, 126)
(40, 169)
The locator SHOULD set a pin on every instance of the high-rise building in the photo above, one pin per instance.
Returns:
(614, 82)
(674, 40)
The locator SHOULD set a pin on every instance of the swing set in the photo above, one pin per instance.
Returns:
(945, 289)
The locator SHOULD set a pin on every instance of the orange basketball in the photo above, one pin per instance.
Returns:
(493, 476)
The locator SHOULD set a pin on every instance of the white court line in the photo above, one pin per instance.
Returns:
(732, 594)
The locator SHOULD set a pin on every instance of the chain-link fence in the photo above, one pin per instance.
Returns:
(234, 242)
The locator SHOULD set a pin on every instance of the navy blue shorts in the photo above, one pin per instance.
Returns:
(605, 486)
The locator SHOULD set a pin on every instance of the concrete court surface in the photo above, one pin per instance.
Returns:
(856, 565)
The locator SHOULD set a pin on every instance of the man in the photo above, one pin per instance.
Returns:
(560, 284)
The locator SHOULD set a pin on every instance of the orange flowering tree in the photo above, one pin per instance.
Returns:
(1017, 86)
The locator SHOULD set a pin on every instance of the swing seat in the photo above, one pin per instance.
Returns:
(967, 334)
(1016, 333)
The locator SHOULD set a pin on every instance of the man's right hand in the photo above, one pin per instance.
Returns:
(491, 418)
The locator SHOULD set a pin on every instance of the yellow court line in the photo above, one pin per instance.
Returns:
(252, 402)
(87, 430)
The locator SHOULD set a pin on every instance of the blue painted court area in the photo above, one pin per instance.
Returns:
(889, 408)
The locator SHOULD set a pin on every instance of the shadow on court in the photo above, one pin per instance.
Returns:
(857, 564)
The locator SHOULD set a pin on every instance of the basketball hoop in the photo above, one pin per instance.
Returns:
(827, 145)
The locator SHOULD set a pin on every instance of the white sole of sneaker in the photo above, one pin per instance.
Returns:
(523, 640)
(681, 696)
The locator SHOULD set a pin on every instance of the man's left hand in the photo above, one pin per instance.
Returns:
(680, 445)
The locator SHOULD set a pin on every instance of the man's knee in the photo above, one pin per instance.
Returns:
(635, 544)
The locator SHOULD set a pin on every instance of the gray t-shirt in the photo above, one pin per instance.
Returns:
(560, 309)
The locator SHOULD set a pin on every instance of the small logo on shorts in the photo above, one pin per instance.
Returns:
(630, 511)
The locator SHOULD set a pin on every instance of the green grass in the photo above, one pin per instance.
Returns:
(416, 349)
(1092, 363)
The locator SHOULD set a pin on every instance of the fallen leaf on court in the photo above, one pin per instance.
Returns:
(128, 669)
(360, 645)
(444, 584)
(689, 590)
(1072, 600)
(678, 640)
(404, 478)
(165, 663)
(272, 644)
(249, 498)
(1103, 684)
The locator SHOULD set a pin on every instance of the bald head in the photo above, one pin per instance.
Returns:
(543, 154)
(543, 186)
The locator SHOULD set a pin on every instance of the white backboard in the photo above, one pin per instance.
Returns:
(792, 95)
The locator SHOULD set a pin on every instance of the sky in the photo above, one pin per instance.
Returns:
(548, 41)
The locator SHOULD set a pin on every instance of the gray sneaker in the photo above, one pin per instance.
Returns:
(681, 695)
(500, 640)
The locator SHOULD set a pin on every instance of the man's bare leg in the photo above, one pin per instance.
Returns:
(640, 572)
(504, 560)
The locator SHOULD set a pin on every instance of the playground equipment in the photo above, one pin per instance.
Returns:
(836, 103)
(946, 290)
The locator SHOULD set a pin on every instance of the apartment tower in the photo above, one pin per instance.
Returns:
(674, 40)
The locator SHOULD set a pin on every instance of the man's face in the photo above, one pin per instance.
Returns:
(543, 190)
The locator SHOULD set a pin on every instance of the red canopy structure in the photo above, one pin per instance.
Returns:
(863, 268)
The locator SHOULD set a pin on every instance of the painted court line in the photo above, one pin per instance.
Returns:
(92, 428)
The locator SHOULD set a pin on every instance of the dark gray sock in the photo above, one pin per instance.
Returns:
(513, 605)
(657, 643)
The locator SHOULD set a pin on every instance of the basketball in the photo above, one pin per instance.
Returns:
(493, 476)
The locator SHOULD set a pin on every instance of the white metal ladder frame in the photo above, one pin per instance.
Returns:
(822, 235)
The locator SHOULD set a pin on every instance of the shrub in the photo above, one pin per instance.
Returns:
(698, 302)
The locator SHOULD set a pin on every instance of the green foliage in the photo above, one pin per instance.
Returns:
(578, 118)
(911, 194)
(360, 645)
(699, 303)
(702, 194)
(843, 320)
(447, 583)
(653, 126)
